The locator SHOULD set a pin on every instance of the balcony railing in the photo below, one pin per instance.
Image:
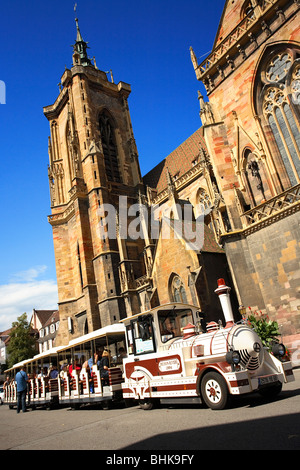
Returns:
(288, 201)
(235, 35)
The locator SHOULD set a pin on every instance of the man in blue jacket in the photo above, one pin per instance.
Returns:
(21, 381)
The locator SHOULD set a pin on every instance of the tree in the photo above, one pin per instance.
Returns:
(22, 343)
(267, 330)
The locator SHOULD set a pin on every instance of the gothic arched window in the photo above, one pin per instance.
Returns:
(280, 99)
(109, 146)
(206, 206)
(249, 10)
(204, 200)
(178, 293)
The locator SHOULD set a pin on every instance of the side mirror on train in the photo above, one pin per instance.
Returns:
(144, 331)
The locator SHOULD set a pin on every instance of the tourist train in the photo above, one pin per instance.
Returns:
(171, 355)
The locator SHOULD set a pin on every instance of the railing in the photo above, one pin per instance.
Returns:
(235, 35)
(286, 201)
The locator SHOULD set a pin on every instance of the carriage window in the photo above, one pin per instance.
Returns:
(140, 335)
(172, 321)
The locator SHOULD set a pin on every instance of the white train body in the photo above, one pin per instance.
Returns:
(208, 366)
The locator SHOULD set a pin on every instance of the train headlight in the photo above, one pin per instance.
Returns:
(233, 357)
(278, 349)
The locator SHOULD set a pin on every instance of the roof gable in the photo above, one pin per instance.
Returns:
(40, 318)
(52, 318)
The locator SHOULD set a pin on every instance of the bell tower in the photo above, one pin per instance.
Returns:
(93, 160)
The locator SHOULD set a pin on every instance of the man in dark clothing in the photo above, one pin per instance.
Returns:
(21, 381)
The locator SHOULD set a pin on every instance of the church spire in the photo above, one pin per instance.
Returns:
(79, 37)
(80, 47)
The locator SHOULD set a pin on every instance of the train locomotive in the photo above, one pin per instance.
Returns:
(170, 358)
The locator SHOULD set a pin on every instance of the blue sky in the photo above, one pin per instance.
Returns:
(145, 44)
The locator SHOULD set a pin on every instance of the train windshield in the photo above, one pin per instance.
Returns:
(140, 335)
(172, 321)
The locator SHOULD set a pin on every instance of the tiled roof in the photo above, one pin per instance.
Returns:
(209, 241)
(210, 245)
(44, 315)
(178, 162)
(6, 332)
(53, 318)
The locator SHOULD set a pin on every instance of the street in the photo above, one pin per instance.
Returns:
(251, 424)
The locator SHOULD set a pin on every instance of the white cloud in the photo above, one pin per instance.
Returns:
(24, 293)
(29, 274)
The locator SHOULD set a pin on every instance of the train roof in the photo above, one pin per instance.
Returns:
(159, 307)
(47, 353)
(111, 333)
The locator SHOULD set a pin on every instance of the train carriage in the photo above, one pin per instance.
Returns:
(41, 389)
(77, 385)
(84, 384)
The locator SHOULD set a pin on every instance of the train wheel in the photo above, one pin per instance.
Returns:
(105, 405)
(214, 391)
(149, 403)
(146, 404)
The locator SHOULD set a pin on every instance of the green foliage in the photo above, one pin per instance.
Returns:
(266, 329)
(22, 343)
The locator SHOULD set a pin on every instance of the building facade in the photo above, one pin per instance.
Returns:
(252, 131)
(44, 324)
(124, 244)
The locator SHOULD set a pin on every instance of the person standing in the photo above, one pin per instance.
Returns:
(21, 381)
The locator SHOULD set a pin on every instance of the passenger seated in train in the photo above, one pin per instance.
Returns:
(53, 372)
(167, 329)
(122, 354)
(74, 366)
(85, 366)
(104, 365)
(42, 372)
(64, 368)
(96, 358)
(7, 382)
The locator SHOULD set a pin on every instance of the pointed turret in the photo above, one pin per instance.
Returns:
(80, 47)
(171, 186)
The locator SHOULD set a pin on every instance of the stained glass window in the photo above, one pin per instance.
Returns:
(278, 67)
(279, 109)
(178, 290)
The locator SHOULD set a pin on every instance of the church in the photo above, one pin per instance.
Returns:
(126, 242)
